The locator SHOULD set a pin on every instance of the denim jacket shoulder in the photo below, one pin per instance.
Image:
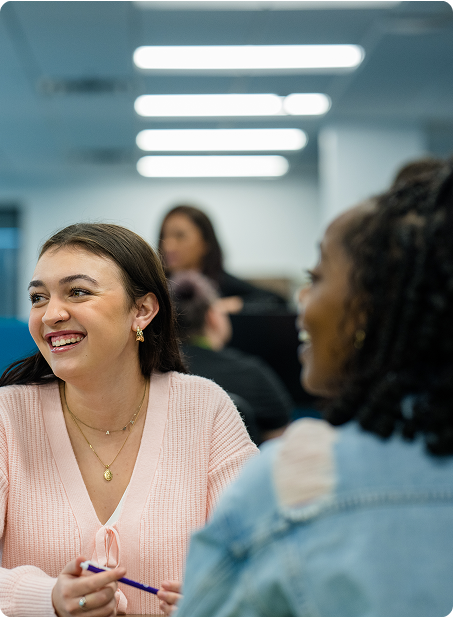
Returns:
(312, 531)
(366, 470)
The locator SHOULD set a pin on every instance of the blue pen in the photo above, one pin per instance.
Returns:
(94, 567)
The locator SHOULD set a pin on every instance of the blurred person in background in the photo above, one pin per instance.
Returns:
(187, 241)
(418, 169)
(354, 519)
(204, 328)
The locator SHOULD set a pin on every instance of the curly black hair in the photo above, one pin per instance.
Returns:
(401, 379)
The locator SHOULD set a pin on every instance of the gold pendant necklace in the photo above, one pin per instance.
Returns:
(108, 475)
(117, 430)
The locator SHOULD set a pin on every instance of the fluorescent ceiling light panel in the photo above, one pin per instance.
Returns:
(265, 4)
(208, 105)
(220, 140)
(212, 166)
(306, 104)
(217, 105)
(248, 57)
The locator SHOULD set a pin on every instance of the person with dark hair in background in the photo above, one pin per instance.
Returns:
(204, 328)
(187, 241)
(107, 448)
(355, 520)
(418, 169)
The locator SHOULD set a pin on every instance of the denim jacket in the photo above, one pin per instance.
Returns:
(328, 523)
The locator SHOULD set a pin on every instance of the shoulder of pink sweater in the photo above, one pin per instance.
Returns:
(8, 392)
(209, 400)
(13, 398)
(304, 465)
(212, 401)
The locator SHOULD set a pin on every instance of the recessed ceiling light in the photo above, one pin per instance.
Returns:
(212, 166)
(220, 140)
(248, 57)
(198, 105)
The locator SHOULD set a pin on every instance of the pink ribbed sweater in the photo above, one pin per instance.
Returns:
(194, 443)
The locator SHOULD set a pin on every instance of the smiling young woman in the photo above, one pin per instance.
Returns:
(354, 520)
(329, 316)
(83, 322)
(107, 448)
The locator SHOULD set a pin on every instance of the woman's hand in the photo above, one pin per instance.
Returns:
(231, 304)
(169, 595)
(97, 590)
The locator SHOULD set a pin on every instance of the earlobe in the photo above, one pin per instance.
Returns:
(359, 338)
(210, 318)
(147, 309)
(362, 320)
(359, 313)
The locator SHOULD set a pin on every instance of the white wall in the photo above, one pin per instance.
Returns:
(266, 227)
(360, 160)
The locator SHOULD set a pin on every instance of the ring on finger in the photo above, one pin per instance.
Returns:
(82, 603)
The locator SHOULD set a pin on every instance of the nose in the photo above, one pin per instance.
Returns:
(301, 296)
(169, 243)
(55, 312)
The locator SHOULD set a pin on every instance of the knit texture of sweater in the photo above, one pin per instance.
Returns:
(193, 444)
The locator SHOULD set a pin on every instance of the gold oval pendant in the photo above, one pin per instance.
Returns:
(108, 475)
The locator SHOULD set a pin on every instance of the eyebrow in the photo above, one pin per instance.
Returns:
(65, 280)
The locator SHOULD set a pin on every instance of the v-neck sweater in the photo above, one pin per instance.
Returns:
(193, 444)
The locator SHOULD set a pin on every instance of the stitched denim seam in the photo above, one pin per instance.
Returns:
(365, 499)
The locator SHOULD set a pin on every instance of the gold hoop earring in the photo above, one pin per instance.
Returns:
(139, 335)
(359, 338)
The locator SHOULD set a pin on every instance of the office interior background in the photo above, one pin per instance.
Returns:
(69, 121)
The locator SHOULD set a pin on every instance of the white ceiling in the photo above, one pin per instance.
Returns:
(68, 84)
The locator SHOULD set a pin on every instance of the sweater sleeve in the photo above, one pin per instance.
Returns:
(231, 447)
(25, 590)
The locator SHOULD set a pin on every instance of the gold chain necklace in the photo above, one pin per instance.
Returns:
(108, 475)
(118, 430)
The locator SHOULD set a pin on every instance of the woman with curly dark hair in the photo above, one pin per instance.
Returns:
(356, 520)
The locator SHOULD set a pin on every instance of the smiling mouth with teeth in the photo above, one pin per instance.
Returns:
(60, 341)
